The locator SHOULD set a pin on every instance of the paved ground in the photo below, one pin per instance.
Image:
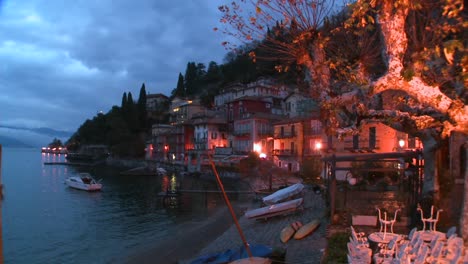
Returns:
(308, 250)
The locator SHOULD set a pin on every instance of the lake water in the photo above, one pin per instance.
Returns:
(44, 221)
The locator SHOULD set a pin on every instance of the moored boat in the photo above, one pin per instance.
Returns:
(161, 171)
(83, 182)
(275, 209)
(283, 194)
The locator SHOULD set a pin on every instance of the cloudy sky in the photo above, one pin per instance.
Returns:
(63, 61)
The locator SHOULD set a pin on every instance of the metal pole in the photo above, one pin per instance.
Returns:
(226, 199)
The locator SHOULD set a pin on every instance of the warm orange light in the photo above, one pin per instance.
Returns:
(257, 148)
(401, 142)
(318, 145)
(166, 147)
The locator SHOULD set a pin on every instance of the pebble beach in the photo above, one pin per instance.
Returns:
(218, 233)
(267, 232)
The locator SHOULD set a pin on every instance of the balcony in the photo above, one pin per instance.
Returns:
(267, 132)
(289, 134)
(284, 152)
(241, 133)
(363, 146)
(200, 140)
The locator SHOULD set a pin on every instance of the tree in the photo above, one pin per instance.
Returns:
(142, 113)
(190, 79)
(179, 91)
(123, 105)
(424, 75)
(131, 113)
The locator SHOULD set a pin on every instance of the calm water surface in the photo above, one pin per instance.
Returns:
(44, 221)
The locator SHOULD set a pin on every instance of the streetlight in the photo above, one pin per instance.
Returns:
(318, 146)
(401, 143)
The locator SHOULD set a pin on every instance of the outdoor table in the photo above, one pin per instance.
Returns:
(381, 237)
(428, 235)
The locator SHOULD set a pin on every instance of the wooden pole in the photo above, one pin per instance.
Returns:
(226, 199)
(1, 201)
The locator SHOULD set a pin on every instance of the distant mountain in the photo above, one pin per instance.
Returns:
(43, 130)
(31, 137)
(12, 143)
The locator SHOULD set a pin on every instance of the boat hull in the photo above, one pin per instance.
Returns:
(276, 209)
(83, 186)
(283, 194)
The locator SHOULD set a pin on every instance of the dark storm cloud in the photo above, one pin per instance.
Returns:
(63, 61)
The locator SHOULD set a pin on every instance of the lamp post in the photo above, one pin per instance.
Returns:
(318, 146)
(401, 143)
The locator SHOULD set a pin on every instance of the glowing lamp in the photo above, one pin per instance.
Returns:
(318, 145)
(401, 143)
(257, 148)
(262, 155)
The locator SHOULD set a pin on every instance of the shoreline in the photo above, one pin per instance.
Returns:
(267, 232)
(190, 240)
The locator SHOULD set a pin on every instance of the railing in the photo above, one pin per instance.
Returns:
(362, 145)
(200, 140)
(285, 134)
(284, 152)
(241, 133)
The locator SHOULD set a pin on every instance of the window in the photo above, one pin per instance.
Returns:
(293, 128)
(372, 137)
(356, 142)
(282, 132)
(411, 142)
(315, 127)
(214, 135)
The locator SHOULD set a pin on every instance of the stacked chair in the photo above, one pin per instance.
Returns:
(358, 248)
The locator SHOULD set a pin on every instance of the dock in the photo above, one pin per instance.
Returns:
(179, 192)
(71, 163)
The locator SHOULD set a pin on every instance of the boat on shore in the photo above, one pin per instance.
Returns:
(275, 209)
(283, 194)
(83, 182)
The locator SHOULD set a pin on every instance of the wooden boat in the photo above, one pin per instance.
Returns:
(283, 194)
(275, 209)
(83, 182)
(307, 229)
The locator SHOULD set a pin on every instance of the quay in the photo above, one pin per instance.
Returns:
(71, 163)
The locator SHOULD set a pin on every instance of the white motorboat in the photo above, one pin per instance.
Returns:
(161, 171)
(83, 182)
(283, 194)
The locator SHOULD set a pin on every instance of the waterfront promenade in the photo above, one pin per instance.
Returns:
(308, 250)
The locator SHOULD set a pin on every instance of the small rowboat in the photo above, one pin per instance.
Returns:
(275, 209)
(283, 194)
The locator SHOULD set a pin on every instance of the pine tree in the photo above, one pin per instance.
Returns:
(124, 102)
(179, 91)
(190, 79)
(142, 113)
(131, 115)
